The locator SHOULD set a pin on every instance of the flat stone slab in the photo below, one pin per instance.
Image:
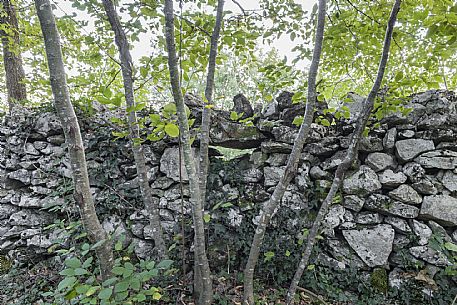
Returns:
(372, 245)
(411, 148)
(442, 208)
(442, 159)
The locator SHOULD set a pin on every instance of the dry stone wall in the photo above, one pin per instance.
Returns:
(400, 194)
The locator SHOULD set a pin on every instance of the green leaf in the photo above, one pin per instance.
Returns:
(80, 271)
(118, 270)
(165, 264)
(156, 296)
(325, 122)
(172, 130)
(122, 286)
(207, 218)
(67, 272)
(118, 246)
(310, 267)
(87, 262)
(451, 246)
(233, 116)
(73, 263)
(155, 119)
(92, 290)
(66, 283)
(268, 256)
(105, 293)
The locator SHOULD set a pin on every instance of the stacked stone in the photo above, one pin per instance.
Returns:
(400, 194)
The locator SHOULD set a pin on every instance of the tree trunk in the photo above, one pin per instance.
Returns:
(82, 193)
(138, 153)
(350, 156)
(206, 122)
(204, 292)
(14, 72)
(292, 163)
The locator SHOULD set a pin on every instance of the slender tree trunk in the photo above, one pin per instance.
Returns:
(203, 293)
(138, 153)
(206, 120)
(82, 193)
(12, 60)
(350, 156)
(289, 173)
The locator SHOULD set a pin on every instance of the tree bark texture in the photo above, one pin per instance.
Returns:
(206, 114)
(292, 163)
(65, 111)
(203, 293)
(14, 71)
(206, 119)
(134, 130)
(350, 156)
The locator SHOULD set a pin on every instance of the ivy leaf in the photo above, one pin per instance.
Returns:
(105, 293)
(73, 263)
(172, 130)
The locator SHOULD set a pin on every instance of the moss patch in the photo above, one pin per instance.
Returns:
(379, 280)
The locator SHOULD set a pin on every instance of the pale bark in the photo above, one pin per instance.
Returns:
(66, 113)
(134, 130)
(292, 163)
(206, 121)
(350, 156)
(14, 71)
(204, 292)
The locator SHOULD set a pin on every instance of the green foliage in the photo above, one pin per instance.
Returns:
(379, 279)
(131, 282)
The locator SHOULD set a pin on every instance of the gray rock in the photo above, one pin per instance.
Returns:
(31, 150)
(30, 202)
(251, 175)
(407, 150)
(370, 144)
(368, 218)
(454, 236)
(442, 159)
(144, 249)
(242, 105)
(406, 194)
(30, 218)
(284, 134)
(270, 146)
(390, 179)
(383, 204)
(380, 161)
(430, 255)
(439, 231)
(333, 162)
(422, 231)
(398, 224)
(396, 278)
(272, 175)
(362, 182)
(317, 173)
(353, 202)
(271, 111)
(343, 253)
(6, 211)
(333, 219)
(389, 139)
(48, 124)
(425, 187)
(441, 208)
(21, 175)
(414, 171)
(406, 134)
(373, 245)
(277, 159)
(169, 164)
(449, 180)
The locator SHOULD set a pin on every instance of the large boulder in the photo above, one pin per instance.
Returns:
(442, 208)
(373, 245)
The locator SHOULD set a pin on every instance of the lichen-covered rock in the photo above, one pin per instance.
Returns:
(380, 161)
(273, 174)
(414, 171)
(442, 159)
(353, 202)
(449, 180)
(383, 204)
(408, 149)
(390, 179)
(389, 139)
(406, 194)
(21, 175)
(169, 164)
(442, 208)
(373, 245)
(429, 255)
(425, 187)
(368, 218)
(398, 224)
(362, 182)
(422, 231)
(333, 219)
